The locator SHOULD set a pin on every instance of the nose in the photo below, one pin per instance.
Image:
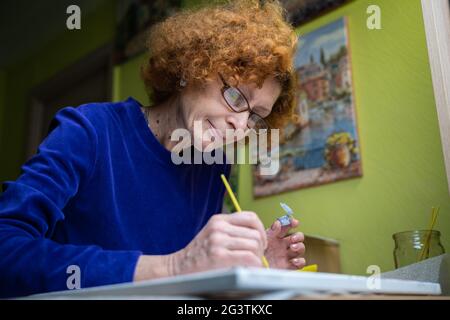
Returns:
(238, 120)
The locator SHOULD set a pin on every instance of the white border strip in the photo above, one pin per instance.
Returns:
(436, 15)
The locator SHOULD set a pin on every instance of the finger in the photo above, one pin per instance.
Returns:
(297, 237)
(294, 223)
(294, 238)
(285, 230)
(281, 231)
(250, 220)
(243, 232)
(245, 258)
(274, 230)
(298, 262)
(220, 229)
(243, 244)
(296, 250)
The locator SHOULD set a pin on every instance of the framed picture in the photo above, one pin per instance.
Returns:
(436, 16)
(321, 144)
(135, 18)
(302, 11)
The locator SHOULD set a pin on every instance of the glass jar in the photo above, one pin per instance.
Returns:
(409, 246)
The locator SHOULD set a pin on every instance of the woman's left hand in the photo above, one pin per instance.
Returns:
(285, 251)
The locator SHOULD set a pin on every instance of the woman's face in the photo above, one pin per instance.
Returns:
(207, 108)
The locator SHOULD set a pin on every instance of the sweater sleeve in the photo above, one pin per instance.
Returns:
(31, 206)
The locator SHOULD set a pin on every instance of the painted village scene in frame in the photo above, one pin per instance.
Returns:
(321, 143)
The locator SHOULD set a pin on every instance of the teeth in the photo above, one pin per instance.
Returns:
(286, 208)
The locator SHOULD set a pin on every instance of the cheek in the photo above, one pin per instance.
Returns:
(209, 109)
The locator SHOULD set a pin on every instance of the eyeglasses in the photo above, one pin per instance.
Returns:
(237, 102)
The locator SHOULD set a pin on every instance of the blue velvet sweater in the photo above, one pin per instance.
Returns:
(100, 192)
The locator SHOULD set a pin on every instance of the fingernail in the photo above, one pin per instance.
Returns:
(294, 246)
(295, 238)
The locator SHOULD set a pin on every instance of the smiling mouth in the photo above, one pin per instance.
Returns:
(217, 132)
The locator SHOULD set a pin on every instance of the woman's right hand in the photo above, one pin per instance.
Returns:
(227, 240)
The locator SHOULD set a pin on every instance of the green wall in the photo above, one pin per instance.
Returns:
(97, 30)
(401, 149)
(127, 81)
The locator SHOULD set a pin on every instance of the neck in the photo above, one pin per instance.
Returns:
(164, 118)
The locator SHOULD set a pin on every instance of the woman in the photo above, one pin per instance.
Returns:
(103, 198)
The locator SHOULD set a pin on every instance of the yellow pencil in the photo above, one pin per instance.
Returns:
(238, 209)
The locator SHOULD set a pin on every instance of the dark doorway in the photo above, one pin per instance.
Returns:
(88, 80)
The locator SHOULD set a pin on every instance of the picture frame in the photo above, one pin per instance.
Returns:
(301, 11)
(321, 143)
(134, 20)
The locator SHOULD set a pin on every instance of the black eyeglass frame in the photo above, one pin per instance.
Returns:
(225, 87)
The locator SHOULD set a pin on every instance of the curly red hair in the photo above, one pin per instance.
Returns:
(246, 41)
